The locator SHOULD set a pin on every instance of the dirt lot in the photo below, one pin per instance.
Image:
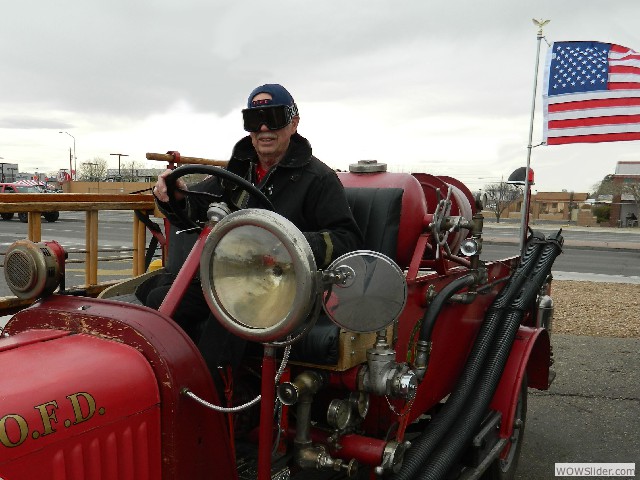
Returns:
(596, 309)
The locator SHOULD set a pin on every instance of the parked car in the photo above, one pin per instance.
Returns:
(25, 188)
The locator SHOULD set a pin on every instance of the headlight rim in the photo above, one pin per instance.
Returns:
(303, 262)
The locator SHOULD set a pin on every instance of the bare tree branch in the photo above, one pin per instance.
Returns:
(500, 196)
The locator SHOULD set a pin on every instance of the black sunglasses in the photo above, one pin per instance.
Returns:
(274, 117)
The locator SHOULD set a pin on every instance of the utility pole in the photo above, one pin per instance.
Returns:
(75, 159)
(119, 155)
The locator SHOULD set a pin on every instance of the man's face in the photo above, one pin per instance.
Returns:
(271, 145)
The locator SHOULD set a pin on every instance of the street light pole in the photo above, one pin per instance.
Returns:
(119, 155)
(75, 159)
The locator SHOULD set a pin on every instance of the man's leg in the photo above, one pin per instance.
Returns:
(220, 347)
(192, 311)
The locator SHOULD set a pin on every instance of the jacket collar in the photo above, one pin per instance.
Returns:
(297, 155)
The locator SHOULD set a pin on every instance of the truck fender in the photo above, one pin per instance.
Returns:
(530, 353)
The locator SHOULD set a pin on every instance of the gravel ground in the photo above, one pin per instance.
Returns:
(596, 309)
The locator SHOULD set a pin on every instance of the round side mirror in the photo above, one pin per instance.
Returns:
(371, 297)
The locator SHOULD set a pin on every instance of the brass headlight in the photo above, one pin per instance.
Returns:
(258, 275)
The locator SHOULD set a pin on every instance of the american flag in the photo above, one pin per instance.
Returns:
(591, 93)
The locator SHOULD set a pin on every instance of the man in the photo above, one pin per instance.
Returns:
(280, 163)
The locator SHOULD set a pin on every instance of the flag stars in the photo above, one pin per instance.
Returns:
(578, 67)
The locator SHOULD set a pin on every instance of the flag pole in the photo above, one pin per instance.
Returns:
(527, 186)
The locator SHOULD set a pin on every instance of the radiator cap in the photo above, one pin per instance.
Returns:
(367, 166)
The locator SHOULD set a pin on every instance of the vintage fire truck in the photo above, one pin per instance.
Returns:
(410, 359)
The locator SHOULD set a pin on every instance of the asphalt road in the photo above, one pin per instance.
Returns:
(587, 251)
(590, 413)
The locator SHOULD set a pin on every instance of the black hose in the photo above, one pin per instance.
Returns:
(432, 312)
(468, 422)
(441, 422)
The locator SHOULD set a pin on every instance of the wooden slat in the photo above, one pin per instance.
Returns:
(91, 257)
(35, 227)
(33, 202)
(140, 248)
(164, 157)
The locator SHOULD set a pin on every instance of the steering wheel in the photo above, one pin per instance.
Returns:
(220, 173)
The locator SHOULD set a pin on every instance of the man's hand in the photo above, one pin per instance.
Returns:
(160, 188)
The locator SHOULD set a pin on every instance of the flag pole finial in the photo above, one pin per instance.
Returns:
(540, 24)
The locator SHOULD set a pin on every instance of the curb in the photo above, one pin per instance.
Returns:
(622, 246)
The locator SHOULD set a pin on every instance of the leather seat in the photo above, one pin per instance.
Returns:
(377, 213)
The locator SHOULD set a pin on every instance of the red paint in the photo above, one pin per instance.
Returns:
(134, 362)
(265, 435)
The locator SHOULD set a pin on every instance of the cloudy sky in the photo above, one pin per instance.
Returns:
(441, 87)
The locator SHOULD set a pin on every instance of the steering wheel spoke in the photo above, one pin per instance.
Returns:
(231, 178)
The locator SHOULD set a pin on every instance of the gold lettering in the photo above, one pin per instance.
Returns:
(22, 426)
(77, 409)
(48, 415)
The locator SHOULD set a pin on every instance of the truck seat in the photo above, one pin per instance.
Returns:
(377, 213)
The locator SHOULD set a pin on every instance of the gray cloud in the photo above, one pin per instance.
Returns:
(135, 58)
(98, 64)
(27, 123)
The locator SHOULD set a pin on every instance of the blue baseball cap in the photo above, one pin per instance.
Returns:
(279, 96)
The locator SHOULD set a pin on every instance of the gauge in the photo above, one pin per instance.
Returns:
(360, 402)
(339, 414)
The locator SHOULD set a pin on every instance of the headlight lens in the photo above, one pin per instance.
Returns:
(258, 275)
(255, 277)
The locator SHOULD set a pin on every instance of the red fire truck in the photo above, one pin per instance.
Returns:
(426, 351)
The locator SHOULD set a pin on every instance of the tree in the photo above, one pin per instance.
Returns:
(629, 188)
(93, 171)
(500, 196)
(129, 170)
(633, 191)
(621, 190)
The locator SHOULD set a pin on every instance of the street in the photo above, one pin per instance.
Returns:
(588, 253)
(590, 413)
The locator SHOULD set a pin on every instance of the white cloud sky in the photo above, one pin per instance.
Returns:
(443, 87)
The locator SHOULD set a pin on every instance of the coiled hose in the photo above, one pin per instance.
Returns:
(441, 422)
(477, 404)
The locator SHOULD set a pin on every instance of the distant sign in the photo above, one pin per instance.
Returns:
(63, 176)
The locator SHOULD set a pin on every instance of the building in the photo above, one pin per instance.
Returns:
(8, 172)
(133, 175)
(625, 204)
(558, 205)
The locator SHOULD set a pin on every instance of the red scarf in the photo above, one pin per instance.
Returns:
(260, 173)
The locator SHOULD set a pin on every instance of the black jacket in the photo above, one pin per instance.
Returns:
(302, 189)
